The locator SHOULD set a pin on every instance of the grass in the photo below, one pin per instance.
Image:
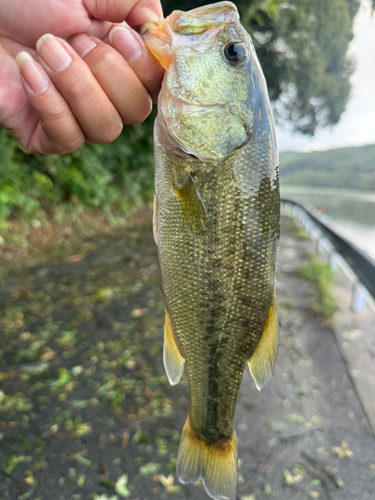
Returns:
(320, 273)
(299, 233)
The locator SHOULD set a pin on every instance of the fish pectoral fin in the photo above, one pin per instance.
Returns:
(173, 360)
(214, 464)
(192, 205)
(262, 361)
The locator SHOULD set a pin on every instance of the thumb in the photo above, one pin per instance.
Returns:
(135, 12)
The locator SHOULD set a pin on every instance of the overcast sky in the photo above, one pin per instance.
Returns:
(357, 124)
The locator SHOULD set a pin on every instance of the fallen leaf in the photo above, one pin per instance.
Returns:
(48, 355)
(121, 486)
(293, 478)
(125, 440)
(29, 479)
(137, 313)
(343, 451)
(149, 469)
(74, 258)
(167, 482)
(81, 480)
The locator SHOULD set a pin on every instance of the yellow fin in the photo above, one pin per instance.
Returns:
(215, 465)
(173, 361)
(192, 205)
(262, 361)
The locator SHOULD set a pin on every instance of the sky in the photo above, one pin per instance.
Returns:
(357, 123)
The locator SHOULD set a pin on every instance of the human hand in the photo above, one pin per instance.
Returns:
(81, 90)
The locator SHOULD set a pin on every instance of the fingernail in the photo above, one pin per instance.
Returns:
(53, 53)
(126, 42)
(82, 44)
(32, 73)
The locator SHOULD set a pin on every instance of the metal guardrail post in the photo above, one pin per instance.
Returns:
(358, 297)
(321, 246)
(333, 262)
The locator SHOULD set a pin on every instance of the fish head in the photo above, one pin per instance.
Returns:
(207, 104)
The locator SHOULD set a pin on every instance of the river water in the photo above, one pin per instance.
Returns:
(353, 212)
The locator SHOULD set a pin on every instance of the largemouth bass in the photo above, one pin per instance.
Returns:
(216, 224)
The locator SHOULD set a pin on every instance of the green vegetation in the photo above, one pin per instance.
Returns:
(299, 233)
(350, 168)
(302, 49)
(321, 274)
(114, 177)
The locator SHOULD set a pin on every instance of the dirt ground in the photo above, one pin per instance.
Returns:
(86, 411)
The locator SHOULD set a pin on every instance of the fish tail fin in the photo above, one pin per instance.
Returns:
(262, 361)
(215, 465)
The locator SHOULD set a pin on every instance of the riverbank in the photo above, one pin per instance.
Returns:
(86, 411)
(356, 194)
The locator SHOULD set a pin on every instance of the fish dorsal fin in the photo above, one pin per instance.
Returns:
(173, 360)
(192, 206)
(215, 464)
(262, 361)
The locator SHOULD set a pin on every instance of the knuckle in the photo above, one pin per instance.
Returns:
(98, 8)
(115, 131)
(59, 113)
(63, 147)
(108, 133)
(74, 144)
(109, 61)
(80, 90)
(28, 146)
(142, 112)
(151, 75)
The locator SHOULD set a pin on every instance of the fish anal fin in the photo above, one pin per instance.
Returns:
(173, 360)
(214, 464)
(262, 361)
(192, 205)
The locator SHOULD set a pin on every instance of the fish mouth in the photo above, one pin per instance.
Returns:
(204, 22)
(158, 38)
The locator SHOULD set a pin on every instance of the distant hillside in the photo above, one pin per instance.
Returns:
(349, 168)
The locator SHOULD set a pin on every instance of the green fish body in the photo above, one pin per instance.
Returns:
(216, 224)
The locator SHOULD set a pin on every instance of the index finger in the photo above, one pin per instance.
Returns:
(135, 12)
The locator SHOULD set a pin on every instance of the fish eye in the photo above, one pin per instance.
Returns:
(235, 53)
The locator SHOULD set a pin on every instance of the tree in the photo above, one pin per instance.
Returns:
(302, 47)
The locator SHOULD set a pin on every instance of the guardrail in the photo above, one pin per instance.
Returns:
(341, 253)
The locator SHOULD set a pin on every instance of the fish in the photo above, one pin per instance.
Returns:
(216, 225)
